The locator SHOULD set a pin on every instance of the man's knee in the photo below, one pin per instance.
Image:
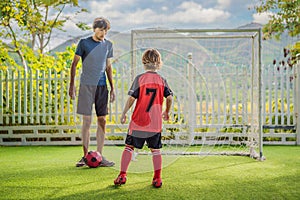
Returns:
(86, 122)
(101, 121)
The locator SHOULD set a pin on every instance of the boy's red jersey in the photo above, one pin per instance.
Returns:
(148, 89)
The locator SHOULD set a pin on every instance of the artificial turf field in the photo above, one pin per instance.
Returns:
(49, 172)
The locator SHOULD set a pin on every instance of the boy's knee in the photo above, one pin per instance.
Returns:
(129, 147)
(155, 151)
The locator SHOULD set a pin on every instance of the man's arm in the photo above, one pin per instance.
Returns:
(109, 74)
(72, 90)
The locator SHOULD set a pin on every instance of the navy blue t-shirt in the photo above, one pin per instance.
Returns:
(93, 55)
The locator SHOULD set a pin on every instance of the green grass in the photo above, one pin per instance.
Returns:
(50, 173)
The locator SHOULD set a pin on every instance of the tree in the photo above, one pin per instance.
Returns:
(28, 23)
(285, 16)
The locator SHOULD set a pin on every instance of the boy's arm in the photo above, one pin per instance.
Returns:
(168, 107)
(72, 90)
(109, 74)
(128, 105)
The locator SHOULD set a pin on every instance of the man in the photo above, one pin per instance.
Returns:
(96, 53)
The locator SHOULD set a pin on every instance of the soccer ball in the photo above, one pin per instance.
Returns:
(93, 159)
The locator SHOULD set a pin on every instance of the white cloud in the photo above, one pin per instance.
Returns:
(109, 10)
(124, 14)
(193, 12)
(164, 8)
(141, 16)
(189, 5)
(224, 3)
(114, 4)
(131, 14)
(262, 18)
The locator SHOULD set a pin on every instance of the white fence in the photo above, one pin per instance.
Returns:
(36, 110)
(278, 111)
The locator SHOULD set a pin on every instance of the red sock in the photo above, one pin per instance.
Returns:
(126, 158)
(157, 163)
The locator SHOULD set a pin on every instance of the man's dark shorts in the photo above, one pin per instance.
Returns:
(138, 139)
(89, 95)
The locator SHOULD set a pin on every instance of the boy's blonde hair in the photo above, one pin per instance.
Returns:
(152, 59)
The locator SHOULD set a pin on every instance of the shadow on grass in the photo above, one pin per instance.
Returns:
(115, 192)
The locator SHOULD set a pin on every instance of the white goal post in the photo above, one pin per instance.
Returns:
(216, 78)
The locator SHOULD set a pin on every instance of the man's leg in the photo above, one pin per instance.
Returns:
(85, 134)
(85, 131)
(100, 135)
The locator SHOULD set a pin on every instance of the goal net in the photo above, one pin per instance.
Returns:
(216, 79)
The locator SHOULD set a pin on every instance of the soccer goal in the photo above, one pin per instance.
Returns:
(215, 75)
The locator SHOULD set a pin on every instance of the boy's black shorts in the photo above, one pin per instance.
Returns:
(137, 139)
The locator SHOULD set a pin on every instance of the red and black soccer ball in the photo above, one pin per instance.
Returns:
(93, 159)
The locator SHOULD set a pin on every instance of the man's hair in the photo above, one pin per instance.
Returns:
(101, 22)
(152, 59)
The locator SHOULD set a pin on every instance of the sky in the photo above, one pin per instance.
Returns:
(126, 15)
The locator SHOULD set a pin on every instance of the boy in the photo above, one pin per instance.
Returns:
(148, 89)
(95, 53)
